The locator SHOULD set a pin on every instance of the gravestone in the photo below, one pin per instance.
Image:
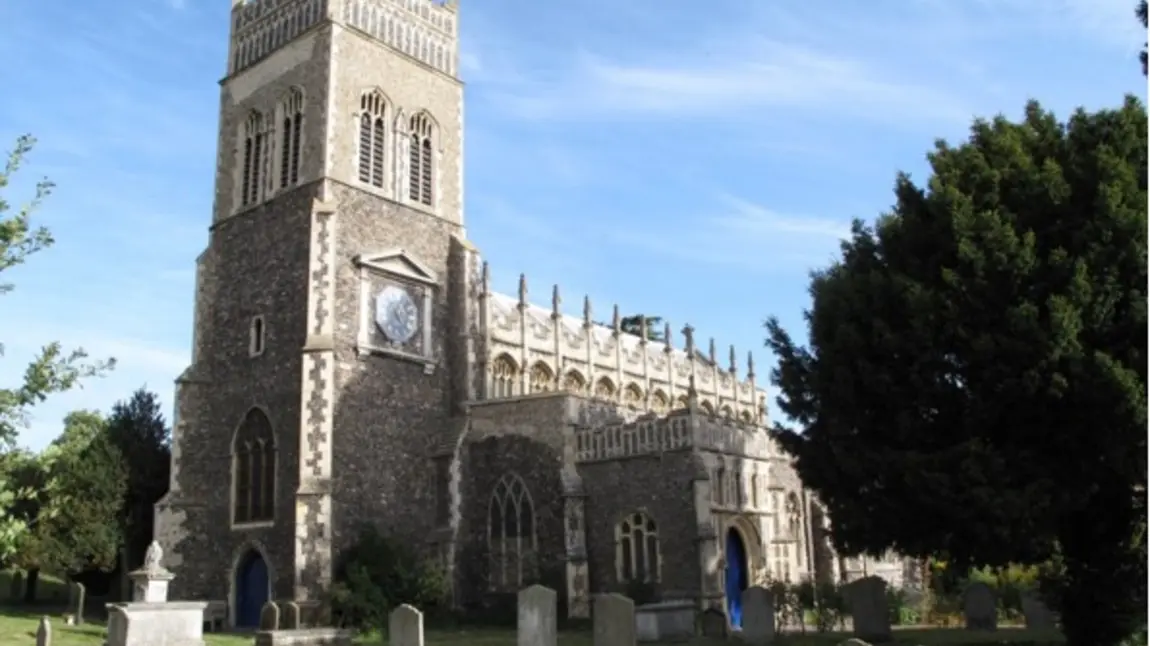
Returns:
(290, 618)
(713, 623)
(1036, 613)
(979, 607)
(16, 587)
(758, 615)
(405, 627)
(613, 621)
(866, 598)
(270, 616)
(77, 594)
(538, 619)
(44, 632)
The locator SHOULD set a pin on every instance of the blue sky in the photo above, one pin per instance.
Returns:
(693, 160)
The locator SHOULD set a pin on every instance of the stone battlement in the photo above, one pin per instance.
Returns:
(535, 349)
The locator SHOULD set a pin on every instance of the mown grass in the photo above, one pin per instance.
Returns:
(18, 628)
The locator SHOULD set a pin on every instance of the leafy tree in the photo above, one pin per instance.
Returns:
(974, 387)
(634, 325)
(54, 370)
(86, 483)
(1141, 12)
(138, 429)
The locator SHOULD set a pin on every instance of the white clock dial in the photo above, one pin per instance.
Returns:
(396, 314)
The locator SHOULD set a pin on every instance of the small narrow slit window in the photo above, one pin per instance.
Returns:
(257, 337)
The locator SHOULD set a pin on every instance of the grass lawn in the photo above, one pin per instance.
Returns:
(18, 628)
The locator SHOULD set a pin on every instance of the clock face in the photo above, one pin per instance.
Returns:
(396, 314)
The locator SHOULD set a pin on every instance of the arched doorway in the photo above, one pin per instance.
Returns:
(736, 576)
(253, 589)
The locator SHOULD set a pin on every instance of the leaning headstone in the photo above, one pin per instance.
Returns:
(270, 616)
(76, 600)
(16, 587)
(405, 627)
(979, 607)
(44, 633)
(538, 620)
(1036, 613)
(758, 615)
(613, 621)
(713, 624)
(866, 598)
(290, 617)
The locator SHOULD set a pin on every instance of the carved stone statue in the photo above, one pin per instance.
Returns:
(153, 556)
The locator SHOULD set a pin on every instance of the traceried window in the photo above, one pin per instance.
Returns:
(504, 377)
(253, 159)
(707, 407)
(541, 379)
(794, 513)
(511, 534)
(745, 416)
(681, 402)
(605, 388)
(637, 549)
(290, 133)
(727, 413)
(573, 382)
(633, 396)
(372, 138)
(254, 467)
(421, 160)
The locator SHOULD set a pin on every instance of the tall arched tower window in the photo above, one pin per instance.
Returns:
(421, 163)
(510, 533)
(637, 549)
(372, 137)
(254, 467)
(255, 133)
(292, 110)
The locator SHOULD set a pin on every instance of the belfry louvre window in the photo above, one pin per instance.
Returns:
(254, 467)
(372, 138)
(637, 549)
(290, 138)
(421, 160)
(255, 135)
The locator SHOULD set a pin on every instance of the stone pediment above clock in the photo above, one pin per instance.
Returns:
(399, 263)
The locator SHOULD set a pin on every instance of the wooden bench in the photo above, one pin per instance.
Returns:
(216, 616)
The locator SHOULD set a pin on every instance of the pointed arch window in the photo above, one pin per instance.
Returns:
(605, 388)
(292, 129)
(252, 174)
(254, 470)
(421, 160)
(573, 382)
(372, 138)
(542, 379)
(637, 549)
(504, 377)
(633, 396)
(659, 402)
(511, 534)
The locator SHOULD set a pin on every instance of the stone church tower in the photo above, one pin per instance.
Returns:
(326, 304)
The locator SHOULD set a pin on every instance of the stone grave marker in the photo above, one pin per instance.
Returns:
(270, 616)
(866, 598)
(290, 618)
(1036, 613)
(758, 615)
(77, 594)
(405, 627)
(979, 607)
(613, 621)
(44, 632)
(713, 623)
(538, 620)
(16, 587)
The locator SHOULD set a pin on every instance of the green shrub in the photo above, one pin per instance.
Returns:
(377, 575)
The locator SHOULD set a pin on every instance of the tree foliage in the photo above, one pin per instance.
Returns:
(635, 325)
(138, 430)
(1141, 13)
(975, 381)
(54, 370)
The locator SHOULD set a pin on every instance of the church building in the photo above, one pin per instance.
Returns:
(352, 364)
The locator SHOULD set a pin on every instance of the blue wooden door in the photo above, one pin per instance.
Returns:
(736, 577)
(251, 590)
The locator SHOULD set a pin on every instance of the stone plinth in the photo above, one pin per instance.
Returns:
(665, 621)
(150, 585)
(304, 637)
(175, 623)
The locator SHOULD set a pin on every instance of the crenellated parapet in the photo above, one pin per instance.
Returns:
(531, 349)
(426, 30)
